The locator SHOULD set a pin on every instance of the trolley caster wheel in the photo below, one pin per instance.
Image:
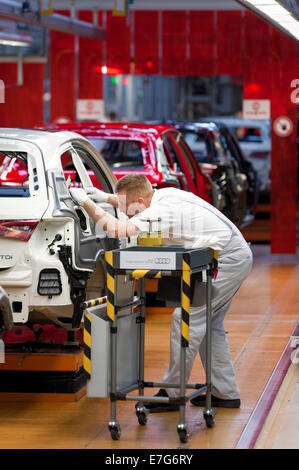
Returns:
(142, 418)
(141, 414)
(183, 434)
(209, 419)
(115, 431)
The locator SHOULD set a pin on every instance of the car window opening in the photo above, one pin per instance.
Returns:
(14, 174)
(204, 149)
(183, 148)
(171, 154)
(120, 154)
(248, 134)
(70, 173)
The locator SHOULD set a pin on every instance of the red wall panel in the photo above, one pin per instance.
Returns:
(31, 96)
(8, 73)
(24, 105)
(146, 42)
(90, 62)
(174, 42)
(62, 75)
(118, 53)
(229, 43)
(284, 149)
(257, 58)
(202, 59)
(270, 64)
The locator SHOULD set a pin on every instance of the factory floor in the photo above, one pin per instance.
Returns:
(261, 320)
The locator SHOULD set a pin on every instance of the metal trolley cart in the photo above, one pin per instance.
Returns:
(156, 262)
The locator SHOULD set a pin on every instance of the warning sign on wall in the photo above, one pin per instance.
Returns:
(256, 109)
(90, 110)
(283, 126)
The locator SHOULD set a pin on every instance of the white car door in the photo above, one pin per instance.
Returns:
(87, 243)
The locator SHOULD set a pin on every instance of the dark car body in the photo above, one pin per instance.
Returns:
(234, 151)
(218, 156)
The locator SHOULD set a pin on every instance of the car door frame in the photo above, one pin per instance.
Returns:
(87, 247)
(183, 174)
(198, 176)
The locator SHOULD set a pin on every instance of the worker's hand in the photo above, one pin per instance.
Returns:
(79, 195)
(96, 194)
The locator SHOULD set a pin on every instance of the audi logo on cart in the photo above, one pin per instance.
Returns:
(161, 260)
(6, 257)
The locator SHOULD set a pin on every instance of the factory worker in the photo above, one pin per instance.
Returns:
(189, 221)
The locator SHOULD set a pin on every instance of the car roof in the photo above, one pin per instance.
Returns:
(41, 138)
(233, 120)
(195, 125)
(129, 130)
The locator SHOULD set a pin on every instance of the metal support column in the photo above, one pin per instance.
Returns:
(142, 335)
(209, 414)
(113, 425)
(185, 316)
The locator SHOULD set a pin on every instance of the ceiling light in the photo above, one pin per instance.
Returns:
(262, 2)
(273, 10)
(10, 38)
(275, 13)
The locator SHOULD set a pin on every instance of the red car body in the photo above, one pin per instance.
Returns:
(167, 161)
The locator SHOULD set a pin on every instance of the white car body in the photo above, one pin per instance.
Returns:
(60, 245)
(257, 148)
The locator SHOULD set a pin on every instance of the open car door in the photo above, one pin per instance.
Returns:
(87, 242)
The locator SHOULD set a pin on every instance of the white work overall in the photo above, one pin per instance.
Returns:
(234, 265)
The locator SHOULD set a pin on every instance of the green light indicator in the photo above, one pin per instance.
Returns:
(114, 80)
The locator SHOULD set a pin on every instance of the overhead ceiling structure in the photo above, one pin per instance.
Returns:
(13, 11)
(282, 14)
(292, 6)
(150, 4)
(12, 38)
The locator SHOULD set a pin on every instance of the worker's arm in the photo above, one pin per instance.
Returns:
(111, 225)
(97, 195)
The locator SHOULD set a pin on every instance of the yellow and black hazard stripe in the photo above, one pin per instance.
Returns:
(94, 302)
(110, 285)
(87, 344)
(147, 273)
(215, 263)
(186, 292)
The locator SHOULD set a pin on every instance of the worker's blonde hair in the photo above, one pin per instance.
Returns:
(135, 184)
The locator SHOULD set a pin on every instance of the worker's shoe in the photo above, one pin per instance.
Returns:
(216, 402)
(153, 407)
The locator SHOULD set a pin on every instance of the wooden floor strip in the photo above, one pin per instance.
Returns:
(259, 415)
(281, 429)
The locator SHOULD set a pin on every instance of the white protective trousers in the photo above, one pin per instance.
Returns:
(234, 265)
